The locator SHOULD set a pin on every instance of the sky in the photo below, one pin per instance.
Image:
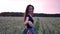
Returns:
(40, 6)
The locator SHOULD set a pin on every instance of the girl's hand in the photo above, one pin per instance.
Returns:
(31, 24)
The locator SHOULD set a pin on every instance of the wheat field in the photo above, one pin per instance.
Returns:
(15, 25)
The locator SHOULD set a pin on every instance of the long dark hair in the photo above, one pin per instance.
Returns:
(26, 12)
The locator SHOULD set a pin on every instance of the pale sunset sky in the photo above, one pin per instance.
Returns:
(41, 6)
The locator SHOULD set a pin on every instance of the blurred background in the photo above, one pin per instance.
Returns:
(46, 16)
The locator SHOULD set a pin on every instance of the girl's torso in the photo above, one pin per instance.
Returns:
(30, 19)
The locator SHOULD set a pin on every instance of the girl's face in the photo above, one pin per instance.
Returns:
(30, 10)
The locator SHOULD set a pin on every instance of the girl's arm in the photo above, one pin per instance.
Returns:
(26, 21)
(29, 22)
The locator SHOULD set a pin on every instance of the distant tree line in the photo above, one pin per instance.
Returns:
(19, 14)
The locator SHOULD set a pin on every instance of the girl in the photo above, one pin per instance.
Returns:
(28, 20)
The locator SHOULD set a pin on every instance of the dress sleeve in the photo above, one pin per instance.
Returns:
(27, 16)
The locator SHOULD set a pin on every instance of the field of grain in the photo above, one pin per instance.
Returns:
(15, 25)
